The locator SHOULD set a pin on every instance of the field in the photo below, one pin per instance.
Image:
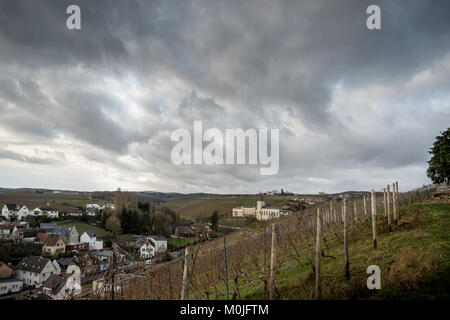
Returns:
(181, 242)
(201, 208)
(60, 201)
(82, 227)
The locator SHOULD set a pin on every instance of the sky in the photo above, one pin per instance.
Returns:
(94, 109)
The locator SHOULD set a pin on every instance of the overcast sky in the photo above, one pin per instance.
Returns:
(94, 109)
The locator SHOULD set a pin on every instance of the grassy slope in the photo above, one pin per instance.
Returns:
(414, 262)
(82, 227)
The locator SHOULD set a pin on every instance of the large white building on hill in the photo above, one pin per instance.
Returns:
(260, 212)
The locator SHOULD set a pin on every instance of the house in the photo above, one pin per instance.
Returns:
(22, 224)
(141, 247)
(36, 212)
(5, 231)
(10, 285)
(66, 262)
(68, 233)
(104, 255)
(74, 213)
(63, 286)
(202, 229)
(122, 281)
(144, 248)
(41, 237)
(88, 265)
(102, 265)
(33, 271)
(77, 246)
(93, 208)
(158, 243)
(31, 234)
(15, 211)
(12, 231)
(91, 238)
(46, 211)
(48, 227)
(182, 231)
(5, 271)
(53, 245)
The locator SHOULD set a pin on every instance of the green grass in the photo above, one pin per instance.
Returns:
(82, 227)
(181, 242)
(414, 260)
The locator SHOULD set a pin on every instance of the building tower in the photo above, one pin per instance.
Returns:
(259, 204)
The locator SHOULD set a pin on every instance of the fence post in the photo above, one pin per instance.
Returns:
(396, 197)
(384, 201)
(331, 212)
(226, 263)
(355, 213)
(113, 275)
(265, 262)
(345, 218)
(273, 260)
(389, 205)
(394, 202)
(396, 189)
(185, 285)
(170, 284)
(365, 206)
(318, 254)
(374, 219)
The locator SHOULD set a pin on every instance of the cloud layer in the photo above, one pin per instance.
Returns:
(94, 109)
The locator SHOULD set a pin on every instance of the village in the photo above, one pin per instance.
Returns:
(58, 261)
(53, 254)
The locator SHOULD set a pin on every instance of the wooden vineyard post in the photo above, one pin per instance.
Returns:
(226, 262)
(318, 254)
(389, 205)
(365, 206)
(374, 219)
(273, 260)
(355, 214)
(265, 262)
(345, 218)
(396, 197)
(384, 201)
(331, 212)
(394, 202)
(396, 190)
(170, 285)
(113, 286)
(185, 284)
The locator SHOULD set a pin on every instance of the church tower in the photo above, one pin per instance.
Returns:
(260, 203)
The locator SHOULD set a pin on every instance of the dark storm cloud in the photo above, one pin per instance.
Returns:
(139, 69)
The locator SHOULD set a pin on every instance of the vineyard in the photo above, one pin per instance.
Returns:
(302, 240)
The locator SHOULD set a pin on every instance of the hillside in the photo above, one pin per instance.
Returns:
(414, 262)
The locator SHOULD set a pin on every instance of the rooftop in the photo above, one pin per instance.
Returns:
(158, 238)
(33, 264)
